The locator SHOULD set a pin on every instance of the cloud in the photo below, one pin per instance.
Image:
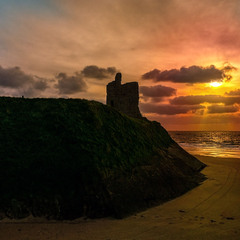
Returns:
(198, 99)
(168, 109)
(157, 91)
(222, 109)
(192, 74)
(233, 93)
(15, 82)
(94, 71)
(70, 84)
(76, 83)
(14, 77)
(40, 84)
(151, 75)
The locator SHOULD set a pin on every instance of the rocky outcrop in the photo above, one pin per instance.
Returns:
(124, 97)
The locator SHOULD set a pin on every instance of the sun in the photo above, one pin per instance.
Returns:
(216, 84)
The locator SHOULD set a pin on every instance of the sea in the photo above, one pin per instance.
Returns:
(209, 143)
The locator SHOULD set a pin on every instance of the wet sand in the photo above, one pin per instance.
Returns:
(210, 211)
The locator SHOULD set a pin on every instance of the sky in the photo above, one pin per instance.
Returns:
(183, 53)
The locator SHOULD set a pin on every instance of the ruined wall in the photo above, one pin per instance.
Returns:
(124, 97)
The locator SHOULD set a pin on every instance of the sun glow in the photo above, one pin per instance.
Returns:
(216, 84)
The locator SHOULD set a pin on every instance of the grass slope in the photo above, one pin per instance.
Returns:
(66, 158)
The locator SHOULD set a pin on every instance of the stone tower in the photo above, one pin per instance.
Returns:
(124, 97)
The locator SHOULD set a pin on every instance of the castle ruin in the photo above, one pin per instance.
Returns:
(124, 97)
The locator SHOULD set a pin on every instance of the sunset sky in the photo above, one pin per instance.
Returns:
(185, 54)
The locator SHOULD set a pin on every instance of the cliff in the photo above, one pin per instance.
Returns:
(67, 158)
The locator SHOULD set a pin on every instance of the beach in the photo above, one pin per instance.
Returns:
(209, 211)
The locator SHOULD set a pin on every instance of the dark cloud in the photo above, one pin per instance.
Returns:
(152, 74)
(17, 83)
(198, 99)
(70, 84)
(227, 69)
(233, 93)
(222, 109)
(192, 74)
(168, 109)
(94, 71)
(14, 77)
(157, 91)
(40, 84)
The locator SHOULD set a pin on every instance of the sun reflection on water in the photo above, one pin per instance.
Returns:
(216, 144)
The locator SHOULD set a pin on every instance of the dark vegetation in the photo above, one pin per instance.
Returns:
(67, 158)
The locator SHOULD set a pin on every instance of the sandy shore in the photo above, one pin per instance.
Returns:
(210, 211)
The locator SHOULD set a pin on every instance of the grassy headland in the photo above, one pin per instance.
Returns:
(66, 158)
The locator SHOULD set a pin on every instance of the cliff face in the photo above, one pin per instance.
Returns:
(69, 158)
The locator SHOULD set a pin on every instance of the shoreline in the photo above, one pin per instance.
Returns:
(209, 211)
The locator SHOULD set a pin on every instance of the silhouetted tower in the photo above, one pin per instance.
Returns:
(118, 79)
(124, 98)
